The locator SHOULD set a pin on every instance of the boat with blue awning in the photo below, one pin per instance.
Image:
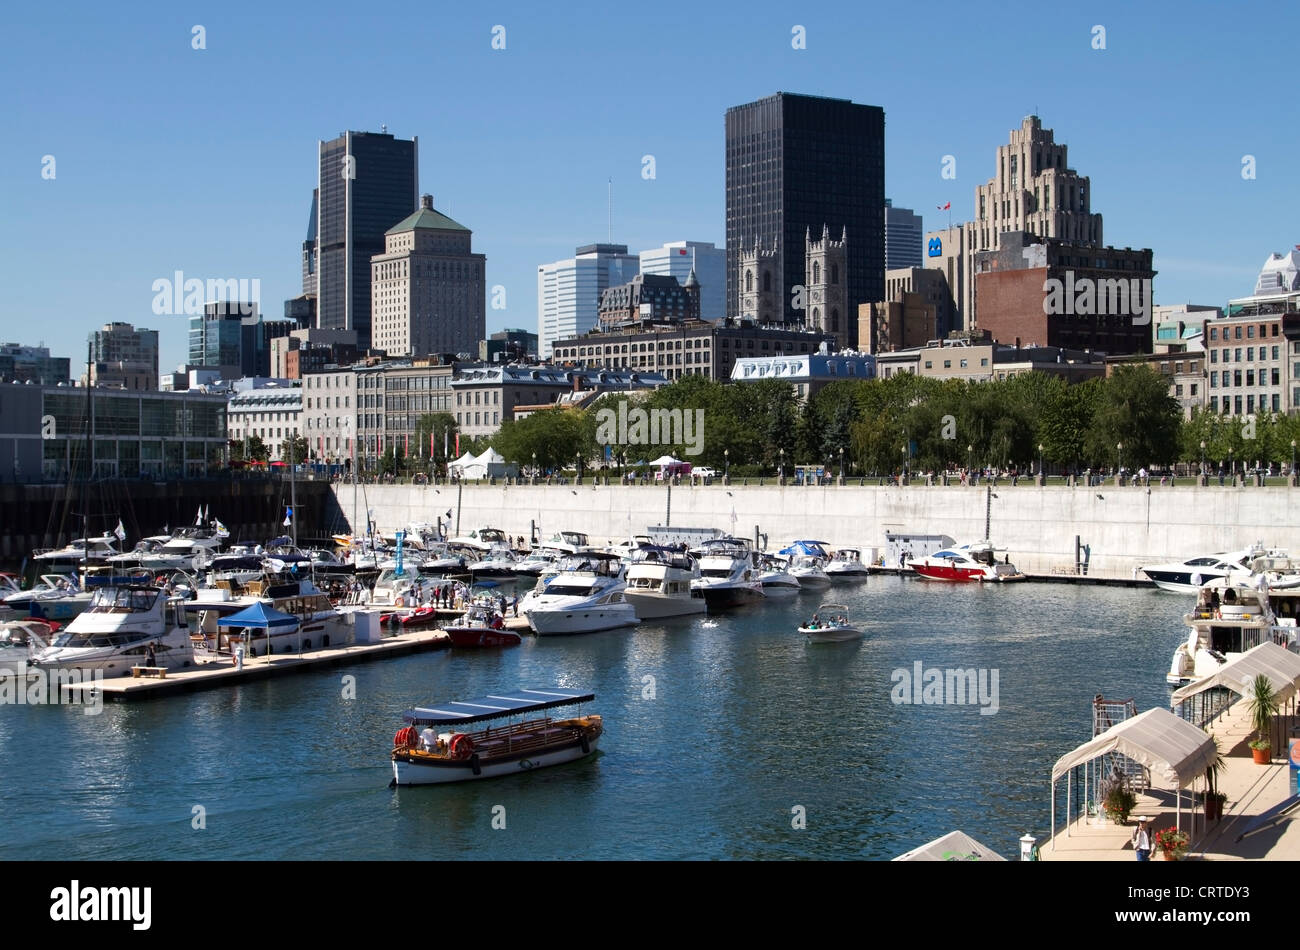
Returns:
(445, 750)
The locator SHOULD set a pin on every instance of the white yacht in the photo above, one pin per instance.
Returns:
(1186, 577)
(498, 561)
(777, 581)
(659, 584)
(481, 540)
(116, 631)
(20, 640)
(438, 559)
(180, 549)
(1229, 619)
(831, 624)
(585, 598)
(145, 547)
(393, 588)
(846, 563)
(79, 551)
(537, 561)
(728, 575)
(54, 597)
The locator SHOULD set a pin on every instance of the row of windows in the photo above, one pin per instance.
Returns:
(480, 419)
(947, 364)
(1233, 404)
(1274, 380)
(496, 398)
(1250, 331)
(329, 402)
(1234, 355)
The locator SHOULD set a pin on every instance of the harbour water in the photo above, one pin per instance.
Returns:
(726, 737)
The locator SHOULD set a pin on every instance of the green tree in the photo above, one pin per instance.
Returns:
(1134, 410)
(295, 450)
(1065, 422)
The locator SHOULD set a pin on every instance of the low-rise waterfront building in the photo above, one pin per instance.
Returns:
(32, 364)
(806, 373)
(271, 414)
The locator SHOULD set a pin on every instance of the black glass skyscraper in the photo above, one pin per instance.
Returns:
(798, 164)
(368, 182)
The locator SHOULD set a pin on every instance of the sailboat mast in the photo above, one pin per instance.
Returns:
(90, 460)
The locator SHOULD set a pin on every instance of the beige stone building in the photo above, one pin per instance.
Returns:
(428, 291)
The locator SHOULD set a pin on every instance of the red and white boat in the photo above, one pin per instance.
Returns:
(481, 626)
(968, 562)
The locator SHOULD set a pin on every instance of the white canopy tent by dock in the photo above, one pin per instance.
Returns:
(1175, 752)
(491, 464)
(954, 846)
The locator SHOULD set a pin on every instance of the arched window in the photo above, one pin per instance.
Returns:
(817, 272)
(749, 281)
(767, 281)
(835, 273)
(817, 317)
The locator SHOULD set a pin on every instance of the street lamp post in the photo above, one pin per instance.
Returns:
(534, 468)
(1293, 461)
(841, 465)
(1202, 458)
(780, 472)
(726, 466)
(970, 461)
(1119, 461)
(1042, 479)
(1232, 466)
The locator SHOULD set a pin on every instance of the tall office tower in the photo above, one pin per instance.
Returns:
(218, 336)
(368, 181)
(1033, 190)
(679, 258)
(796, 163)
(903, 232)
(428, 286)
(568, 291)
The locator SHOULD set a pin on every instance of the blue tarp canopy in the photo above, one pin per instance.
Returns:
(495, 706)
(814, 548)
(259, 615)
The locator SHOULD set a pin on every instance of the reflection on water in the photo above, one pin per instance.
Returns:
(723, 734)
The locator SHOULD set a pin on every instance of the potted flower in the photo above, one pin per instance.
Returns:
(1172, 843)
(1263, 702)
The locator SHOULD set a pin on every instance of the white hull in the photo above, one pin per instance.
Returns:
(777, 591)
(846, 573)
(652, 606)
(833, 635)
(813, 581)
(410, 773)
(545, 622)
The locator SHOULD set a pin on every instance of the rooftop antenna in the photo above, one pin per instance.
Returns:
(383, 129)
(609, 205)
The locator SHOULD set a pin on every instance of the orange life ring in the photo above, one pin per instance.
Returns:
(406, 738)
(462, 746)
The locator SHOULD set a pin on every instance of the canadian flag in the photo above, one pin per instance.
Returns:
(945, 207)
(681, 251)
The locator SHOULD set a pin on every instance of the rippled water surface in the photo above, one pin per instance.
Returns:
(742, 728)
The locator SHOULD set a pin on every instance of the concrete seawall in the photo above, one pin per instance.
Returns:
(1126, 526)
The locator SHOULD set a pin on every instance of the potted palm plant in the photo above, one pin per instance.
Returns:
(1214, 799)
(1263, 703)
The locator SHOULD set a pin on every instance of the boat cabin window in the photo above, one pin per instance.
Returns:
(122, 600)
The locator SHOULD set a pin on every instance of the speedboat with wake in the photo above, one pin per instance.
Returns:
(831, 624)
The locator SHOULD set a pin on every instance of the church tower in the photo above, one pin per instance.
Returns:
(825, 273)
(757, 281)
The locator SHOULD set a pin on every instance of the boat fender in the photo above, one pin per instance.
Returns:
(586, 744)
(473, 764)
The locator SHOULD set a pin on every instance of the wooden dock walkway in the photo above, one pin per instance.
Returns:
(222, 672)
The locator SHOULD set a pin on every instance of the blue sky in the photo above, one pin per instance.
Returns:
(170, 158)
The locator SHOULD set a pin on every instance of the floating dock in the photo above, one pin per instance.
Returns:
(1096, 580)
(222, 672)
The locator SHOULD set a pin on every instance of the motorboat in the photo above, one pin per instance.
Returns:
(968, 562)
(846, 563)
(481, 540)
(659, 584)
(394, 587)
(145, 547)
(530, 738)
(78, 552)
(626, 549)
(585, 597)
(831, 624)
(53, 597)
(806, 560)
(20, 640)
(1187, 577)
(567, 542)
(481, 626)
(182, 547)
(498, 561)
(537, 561)
(728, 575)
(775, 577)
(438, 559)
(118, 630)
(1229, 619)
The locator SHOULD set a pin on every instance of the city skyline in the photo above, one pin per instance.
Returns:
(145, 162)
